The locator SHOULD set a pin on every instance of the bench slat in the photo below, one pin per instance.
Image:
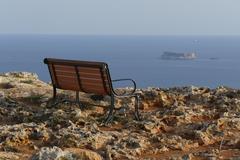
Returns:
(82, 75)
(65, 73)
(80, 69)
(69, 87)
(86, 88)
(66, 76)
(91, 89)
(82, 79)
(62, 82)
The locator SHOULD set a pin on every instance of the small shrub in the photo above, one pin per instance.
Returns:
(34, 98)
(27, 81)
(6, 86)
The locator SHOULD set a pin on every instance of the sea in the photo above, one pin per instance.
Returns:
(136, 57)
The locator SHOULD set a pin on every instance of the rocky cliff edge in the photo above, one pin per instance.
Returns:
(178, 123)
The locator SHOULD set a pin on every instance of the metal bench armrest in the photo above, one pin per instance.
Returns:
(124, 94)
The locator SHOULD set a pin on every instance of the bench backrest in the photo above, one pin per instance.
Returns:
(85, 76)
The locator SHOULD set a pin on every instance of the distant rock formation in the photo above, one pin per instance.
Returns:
(178, 56)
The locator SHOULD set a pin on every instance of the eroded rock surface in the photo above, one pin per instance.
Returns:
(177, 123)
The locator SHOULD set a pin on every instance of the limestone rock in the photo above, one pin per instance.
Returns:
(13, 156)
(83, 154)
(56, 153)
(46, 153)
(180, 121)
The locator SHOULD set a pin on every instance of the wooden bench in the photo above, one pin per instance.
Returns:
(88, 77)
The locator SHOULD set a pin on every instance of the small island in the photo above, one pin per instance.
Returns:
(178, 56)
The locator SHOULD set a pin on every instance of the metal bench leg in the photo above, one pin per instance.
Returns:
(110, 114)
(78, 101)
(54, 99)
(53, 102)
(137, 103)
(54, 93)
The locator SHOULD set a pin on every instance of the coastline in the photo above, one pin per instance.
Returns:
(178, 122)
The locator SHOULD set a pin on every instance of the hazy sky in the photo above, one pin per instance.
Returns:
(121, 17)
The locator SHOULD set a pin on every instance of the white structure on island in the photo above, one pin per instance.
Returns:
(178, 56)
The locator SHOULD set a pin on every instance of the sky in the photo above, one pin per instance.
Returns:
(120, 17)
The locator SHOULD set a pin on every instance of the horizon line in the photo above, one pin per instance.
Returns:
(152, 35)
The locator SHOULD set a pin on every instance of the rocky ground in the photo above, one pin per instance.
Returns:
(184, 123)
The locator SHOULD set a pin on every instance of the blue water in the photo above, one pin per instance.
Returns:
(134, 57)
